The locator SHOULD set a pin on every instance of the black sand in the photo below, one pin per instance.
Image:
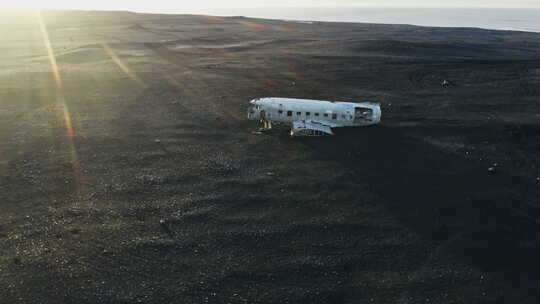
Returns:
(133, 176)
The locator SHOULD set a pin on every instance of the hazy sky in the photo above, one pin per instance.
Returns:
(204, 5)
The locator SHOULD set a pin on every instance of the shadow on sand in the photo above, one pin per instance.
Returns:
(487, 219)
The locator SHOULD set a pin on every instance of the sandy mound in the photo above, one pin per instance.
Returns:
(136, 26)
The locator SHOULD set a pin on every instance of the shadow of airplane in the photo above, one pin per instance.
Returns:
(488, 220)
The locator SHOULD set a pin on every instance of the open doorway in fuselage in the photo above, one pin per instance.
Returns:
(363, 115)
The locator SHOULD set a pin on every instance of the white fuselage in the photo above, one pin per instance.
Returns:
(328, 113)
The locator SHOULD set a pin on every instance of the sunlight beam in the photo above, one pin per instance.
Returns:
(64, 115)
(123, 66)
(50, 52)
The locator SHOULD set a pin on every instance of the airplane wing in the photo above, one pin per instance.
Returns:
(310, 128)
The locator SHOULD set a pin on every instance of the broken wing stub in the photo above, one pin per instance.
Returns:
(303, 128)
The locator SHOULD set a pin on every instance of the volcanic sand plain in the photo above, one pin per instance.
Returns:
(129, 173)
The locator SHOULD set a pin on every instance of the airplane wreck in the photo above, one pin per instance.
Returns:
(312, 117)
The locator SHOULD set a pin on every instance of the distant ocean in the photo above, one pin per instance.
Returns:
(500, 19)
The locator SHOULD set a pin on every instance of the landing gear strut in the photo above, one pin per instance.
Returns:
(267, 126)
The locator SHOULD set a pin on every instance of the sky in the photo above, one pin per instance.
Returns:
(167, 6)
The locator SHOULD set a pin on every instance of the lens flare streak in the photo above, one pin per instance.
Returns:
(64, 115)
(123, 66)
(50, 52)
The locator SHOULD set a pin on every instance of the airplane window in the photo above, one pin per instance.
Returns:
(334, 116)
(325, 115)
(298, 113)
(280, 112)
(308, 113)
(316, 114)
(289, 113)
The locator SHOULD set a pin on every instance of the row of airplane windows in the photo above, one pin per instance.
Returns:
(334, 115)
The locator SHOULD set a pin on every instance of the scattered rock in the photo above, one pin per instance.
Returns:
(166, 228)
(445, 83)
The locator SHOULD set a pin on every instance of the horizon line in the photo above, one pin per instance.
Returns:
(199, 11)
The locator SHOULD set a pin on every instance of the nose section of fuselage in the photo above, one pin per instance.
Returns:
(253, 112)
